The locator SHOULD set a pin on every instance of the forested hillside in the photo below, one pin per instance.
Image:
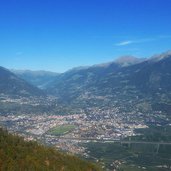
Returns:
(19, 155)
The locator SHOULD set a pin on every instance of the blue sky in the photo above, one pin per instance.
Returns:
(57, 35)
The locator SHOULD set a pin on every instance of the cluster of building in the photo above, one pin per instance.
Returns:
(97, 125)
(92, 124)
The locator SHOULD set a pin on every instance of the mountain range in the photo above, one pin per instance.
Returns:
(36, 78)
(127, 80)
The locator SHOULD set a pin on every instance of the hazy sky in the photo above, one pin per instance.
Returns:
(58, 35)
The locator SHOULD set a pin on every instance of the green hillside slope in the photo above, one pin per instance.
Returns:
(19, 155)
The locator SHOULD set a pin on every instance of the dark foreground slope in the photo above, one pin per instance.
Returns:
(16, 154)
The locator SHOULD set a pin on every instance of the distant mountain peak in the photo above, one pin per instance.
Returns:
(35, 73)
(78, 68)
(128, 60)
(161, 56)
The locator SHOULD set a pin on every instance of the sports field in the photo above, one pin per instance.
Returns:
(60, 130)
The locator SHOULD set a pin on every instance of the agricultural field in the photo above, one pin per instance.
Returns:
(137, 157)
(61, 130)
